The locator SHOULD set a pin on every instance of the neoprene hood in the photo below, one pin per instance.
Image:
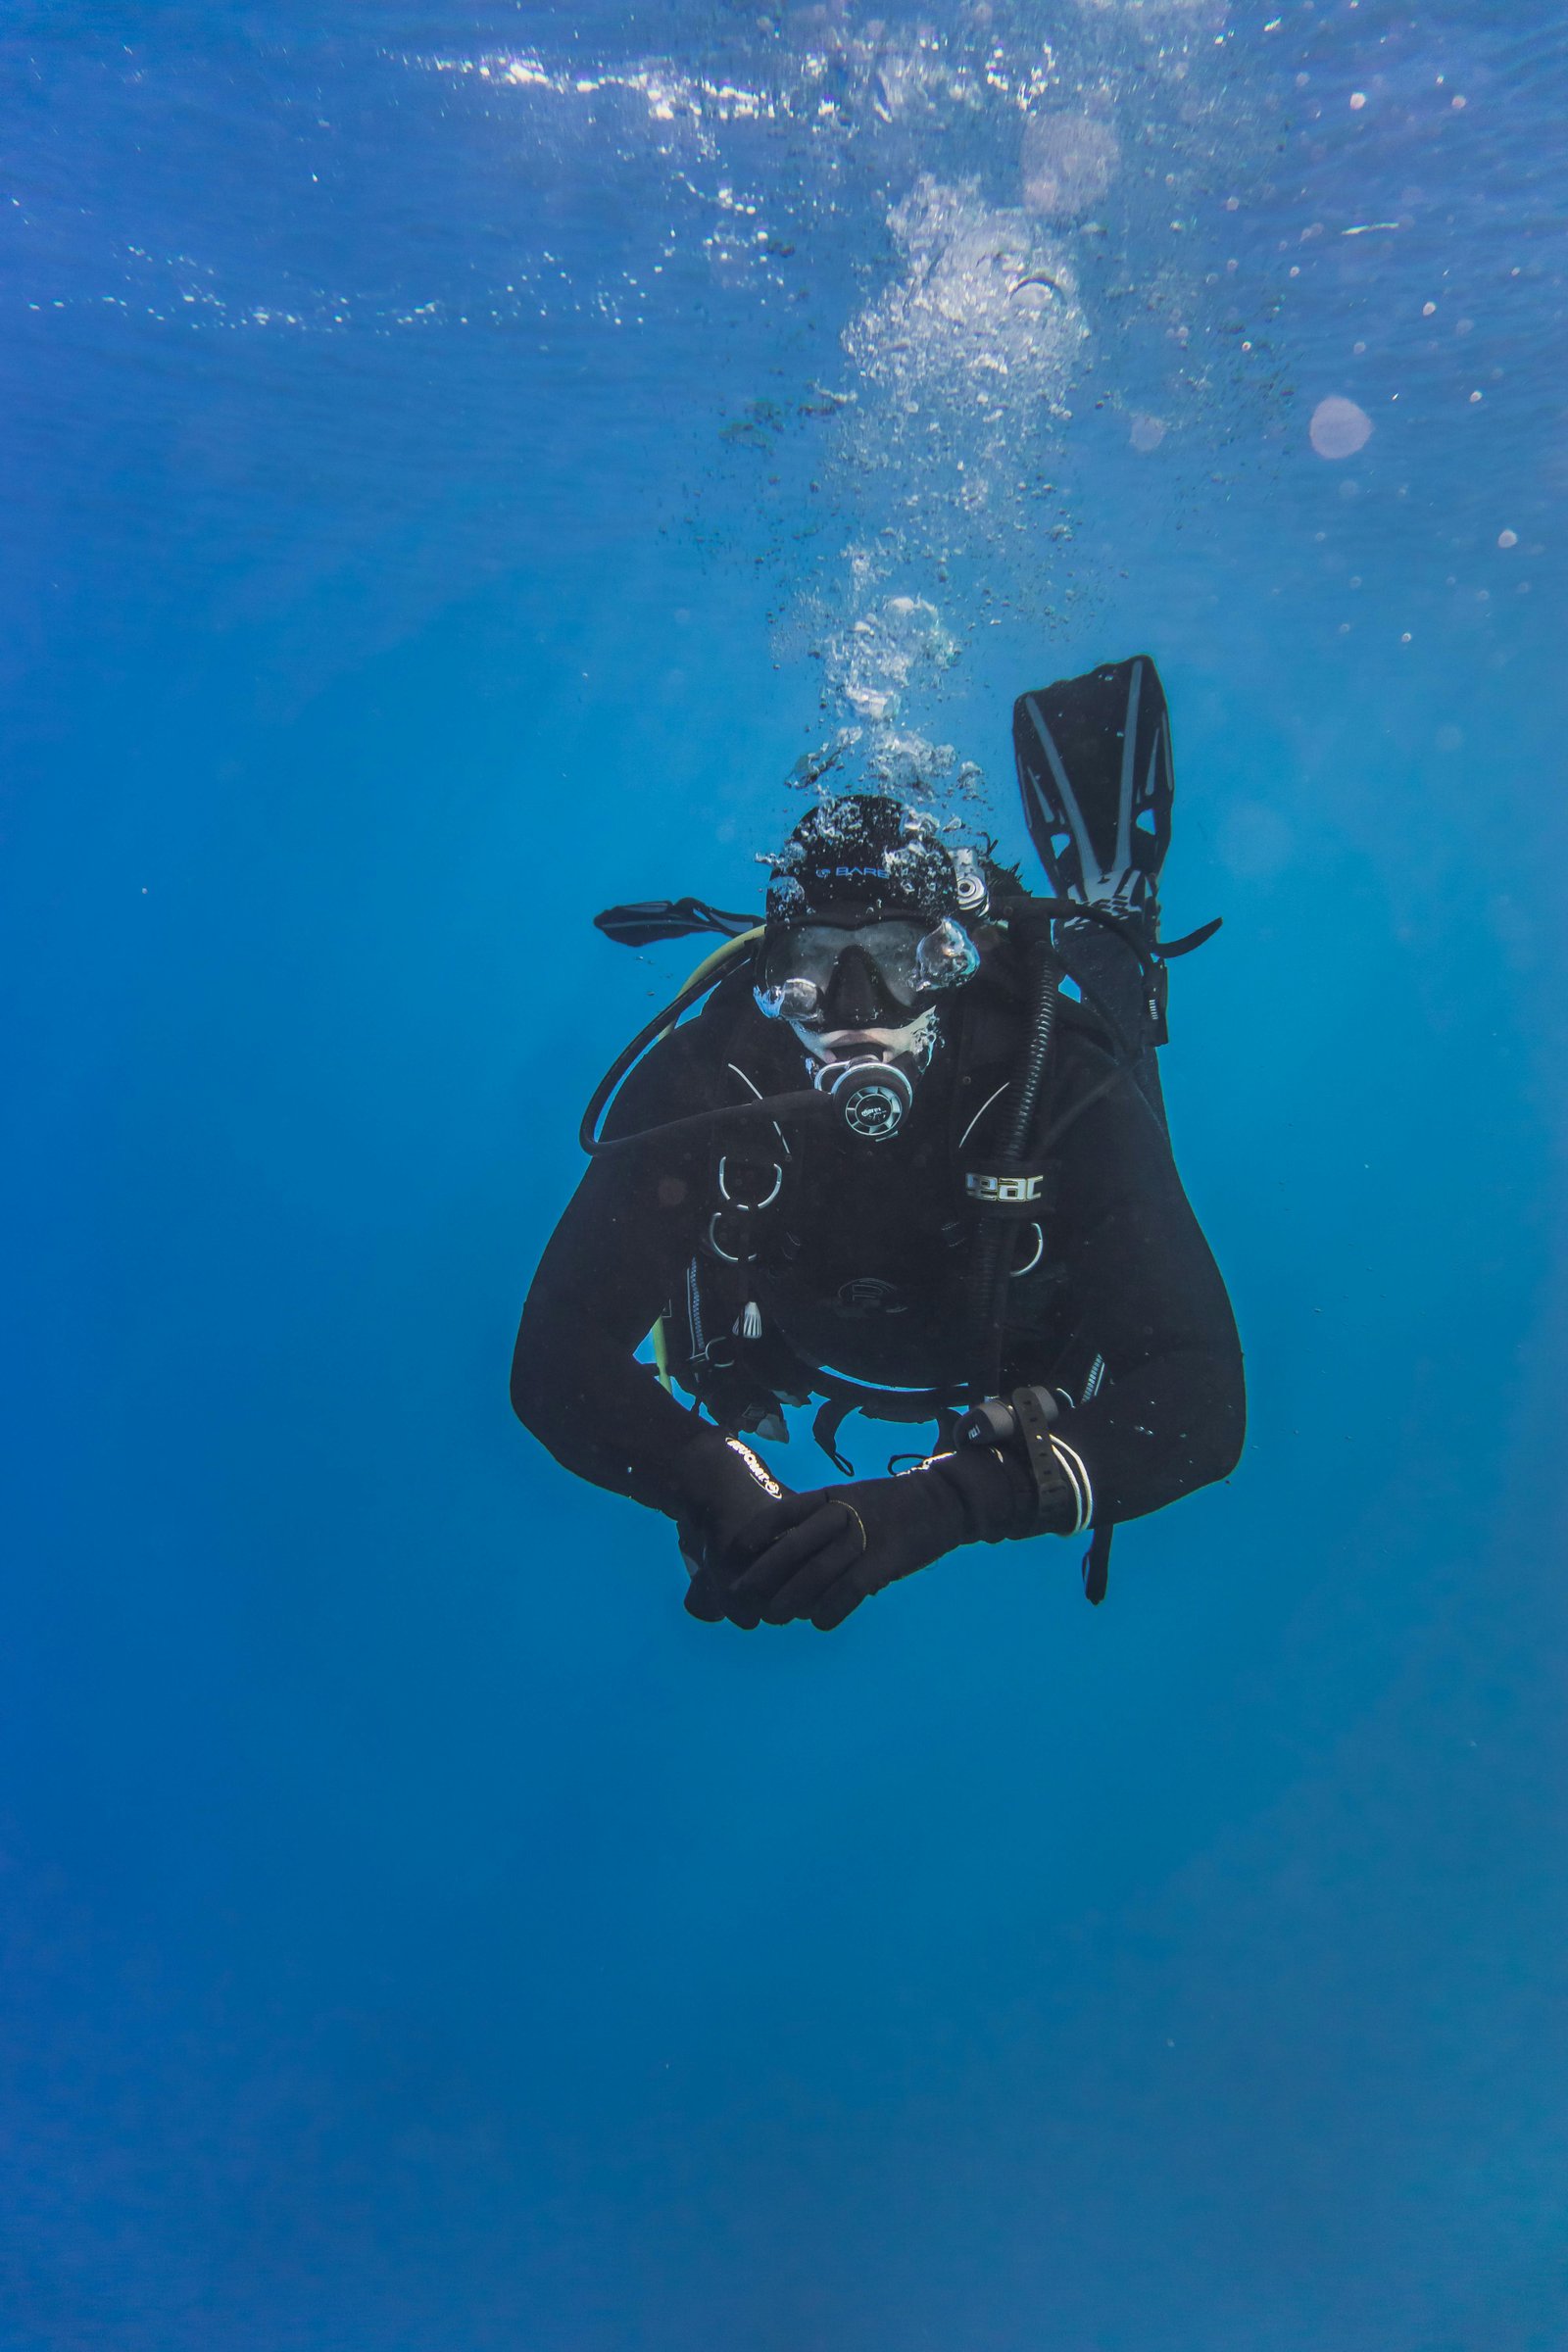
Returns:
(868, 852)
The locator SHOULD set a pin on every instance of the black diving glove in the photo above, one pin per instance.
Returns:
(734, 1507)
(823, 1553)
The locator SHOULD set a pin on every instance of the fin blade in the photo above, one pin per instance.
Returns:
(1096, 777)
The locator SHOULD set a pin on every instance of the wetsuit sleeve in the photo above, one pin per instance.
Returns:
(1172, 1413)
(615, 1260)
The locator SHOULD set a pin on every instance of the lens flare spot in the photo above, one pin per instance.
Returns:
(1339, 428)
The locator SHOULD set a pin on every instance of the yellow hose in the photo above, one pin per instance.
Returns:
(661, 1340)
(710, 964)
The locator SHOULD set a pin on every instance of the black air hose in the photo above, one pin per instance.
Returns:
(992, 1267)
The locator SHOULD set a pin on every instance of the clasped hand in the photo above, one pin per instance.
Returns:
(818, 1556)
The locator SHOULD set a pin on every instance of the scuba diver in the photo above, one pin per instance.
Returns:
(909, 1159)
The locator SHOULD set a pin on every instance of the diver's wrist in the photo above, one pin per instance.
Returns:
(719, 1479)
(993, 1490)
(1022, 1429)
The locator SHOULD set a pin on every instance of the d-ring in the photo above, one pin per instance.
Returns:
(1040, 1252)
(732, 1257)
(767, 1199)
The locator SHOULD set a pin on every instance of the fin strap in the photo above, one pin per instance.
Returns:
(1189, 941)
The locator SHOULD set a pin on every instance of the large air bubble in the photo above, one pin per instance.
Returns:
(1068, 163)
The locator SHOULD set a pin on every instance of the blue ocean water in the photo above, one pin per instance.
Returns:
(456, 464)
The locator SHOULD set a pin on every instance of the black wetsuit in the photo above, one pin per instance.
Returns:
(862, 1261)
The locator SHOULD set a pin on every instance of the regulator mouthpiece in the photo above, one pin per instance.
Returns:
(871, 1096)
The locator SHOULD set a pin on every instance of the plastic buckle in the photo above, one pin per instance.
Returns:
(1155, 1003)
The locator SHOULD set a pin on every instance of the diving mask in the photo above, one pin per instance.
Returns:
(803, 966)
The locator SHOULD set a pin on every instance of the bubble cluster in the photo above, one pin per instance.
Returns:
(974, 193)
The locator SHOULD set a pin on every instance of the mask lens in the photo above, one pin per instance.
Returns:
(797, 970)
(791, 999)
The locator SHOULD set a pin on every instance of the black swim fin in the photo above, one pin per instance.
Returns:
(1096, 776)
(648, 921)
